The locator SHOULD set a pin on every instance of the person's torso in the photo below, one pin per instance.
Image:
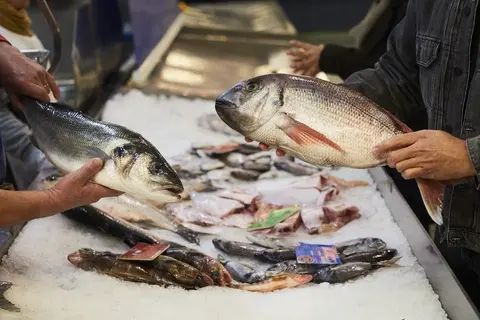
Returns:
(443, 38)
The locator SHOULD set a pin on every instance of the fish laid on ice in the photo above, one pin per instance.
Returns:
(348, 271)
(292, 267)
(186, 211)
(241, 272)
(125, 206)
(245, 175)
(248, 149)
(377, 256)
(360, 245)
(313, 215)
(181, 272)
(256, 166)
(99, 220)
(338, 215)
(271, 242)
(277, 283)
(297, 169)
(70, 138)
(107, 263)
(202, 262)
(245, 249)
(321, 123)
(4, 303)
(215, 205)
(235, 159)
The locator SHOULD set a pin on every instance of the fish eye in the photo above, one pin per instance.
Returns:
(250, 87)
(124, 150)
(156, 168)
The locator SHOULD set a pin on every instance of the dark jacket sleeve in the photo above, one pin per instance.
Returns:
(393, 82)
(344, 61)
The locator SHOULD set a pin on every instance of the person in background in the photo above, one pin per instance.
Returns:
(420, 71)
(371, 36)
(22, 76)
(27, 166)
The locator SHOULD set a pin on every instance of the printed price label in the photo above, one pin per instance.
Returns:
(145, 252)
(317, 254)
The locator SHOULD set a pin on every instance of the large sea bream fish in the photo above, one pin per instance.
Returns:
(319, 122)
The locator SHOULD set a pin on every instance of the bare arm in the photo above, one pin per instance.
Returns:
(20, 4)
(21, 206)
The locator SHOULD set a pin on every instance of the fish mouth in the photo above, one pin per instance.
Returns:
(222, 103)
(75, 258)
(169, 195)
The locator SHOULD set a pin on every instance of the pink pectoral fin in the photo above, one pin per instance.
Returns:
(304, 135)
(432, 194)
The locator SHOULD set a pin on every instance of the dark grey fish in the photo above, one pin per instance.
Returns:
(99, 220)
(246, 175)
(4, 303)
(376, 256)
(349, 271)
(238, 248)
(294, 168)
(292, 267)
(70, 138)
(241, 272)
(271, 242)
(360, 245)
(277, 255)
(254, 166)
(248, 149)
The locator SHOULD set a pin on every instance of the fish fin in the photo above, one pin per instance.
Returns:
(402, 126)
(34, 141)
(432, 194)
(4, 303)
(304, 135)
(97, 153)
(392, 263)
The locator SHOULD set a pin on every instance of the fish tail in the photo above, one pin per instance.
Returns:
(188, 234)
(392, 263)
(4, 303)
(432, 194)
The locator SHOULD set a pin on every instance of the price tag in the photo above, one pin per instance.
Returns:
(145, 252)
(317, 254)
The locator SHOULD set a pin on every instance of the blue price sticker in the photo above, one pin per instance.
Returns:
(317, 254)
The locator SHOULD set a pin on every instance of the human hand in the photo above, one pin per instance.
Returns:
(428, 154)
(305, 58)
(264, 147)
(20, 75)
(75, 189)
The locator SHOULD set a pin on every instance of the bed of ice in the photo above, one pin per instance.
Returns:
(48, 287)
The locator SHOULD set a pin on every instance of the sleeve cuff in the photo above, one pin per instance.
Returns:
(473, 148)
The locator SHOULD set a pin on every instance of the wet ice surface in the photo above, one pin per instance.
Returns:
(47, 286)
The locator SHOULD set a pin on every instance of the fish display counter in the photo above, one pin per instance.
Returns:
(254, 235)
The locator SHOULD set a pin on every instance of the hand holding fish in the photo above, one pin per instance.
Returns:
(428, 154)
(265, 147)
(24, 76)
(75, 189)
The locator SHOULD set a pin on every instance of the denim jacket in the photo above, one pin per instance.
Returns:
(426, 67)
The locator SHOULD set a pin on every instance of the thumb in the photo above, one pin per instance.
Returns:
(87, 172)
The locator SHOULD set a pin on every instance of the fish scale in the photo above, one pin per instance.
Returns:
(319, 122)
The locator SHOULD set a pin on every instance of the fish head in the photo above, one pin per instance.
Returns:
(249, 104)
(89, 259)
(144, 169)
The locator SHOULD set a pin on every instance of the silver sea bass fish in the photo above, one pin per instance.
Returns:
(319, 122)
(70, 138)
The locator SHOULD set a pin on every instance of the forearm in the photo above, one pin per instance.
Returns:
(21, 206)
(20, 4)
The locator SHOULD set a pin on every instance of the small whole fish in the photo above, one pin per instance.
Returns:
(375, 256)
(248, 149)
(238, 248)
(297, 169)
(208, 265)
(276, 283)
(253, 165)
(107, 263)
(128, 208)
(277, 255)
(181, 272)
(99, 220)
(360, 245)
(319, 122)
(132, 165)
(241, 272)
(246, 175)
(235, 159)
(4, 303)
(292, 267)
(271, 242)
(348, 271)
